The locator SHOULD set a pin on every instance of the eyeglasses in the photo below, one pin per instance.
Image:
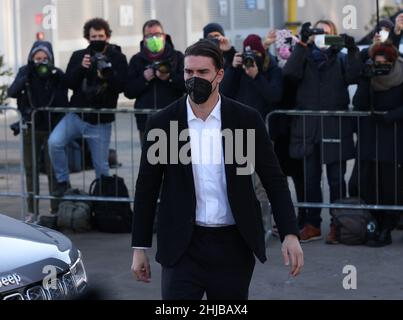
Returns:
(41, 61)
(154, 35)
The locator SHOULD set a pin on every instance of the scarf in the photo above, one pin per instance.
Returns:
(321, 57)
(393, 79)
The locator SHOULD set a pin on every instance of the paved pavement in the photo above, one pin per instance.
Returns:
(108, 257)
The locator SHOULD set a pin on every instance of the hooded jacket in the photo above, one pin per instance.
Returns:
(155, 94)
(33, 92)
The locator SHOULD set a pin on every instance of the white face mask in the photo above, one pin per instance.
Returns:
(384, 35)
(320, 42)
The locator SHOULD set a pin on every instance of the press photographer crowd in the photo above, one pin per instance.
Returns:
(312, 71)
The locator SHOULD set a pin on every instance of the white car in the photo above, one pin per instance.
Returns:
(37, 263)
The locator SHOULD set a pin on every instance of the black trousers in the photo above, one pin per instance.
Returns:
(218, 263)
(335, 176)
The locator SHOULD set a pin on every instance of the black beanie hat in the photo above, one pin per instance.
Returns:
(212, 27)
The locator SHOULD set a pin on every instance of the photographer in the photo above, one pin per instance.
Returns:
(38, 84)
(254, 78)
(96, 75)
(322, 75)
(155, 73)
(381, 153)
(215, 33)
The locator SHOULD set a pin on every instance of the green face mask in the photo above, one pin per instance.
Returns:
(155, 44)
(42, 69)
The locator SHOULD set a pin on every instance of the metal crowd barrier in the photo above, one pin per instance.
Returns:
(12, 182)
(340, 115)
(124, 140)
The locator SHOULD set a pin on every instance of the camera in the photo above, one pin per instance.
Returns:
(101, 63)
(372, 69)
(161, 66)
(215, 41)
(315, 31)
(248, 58)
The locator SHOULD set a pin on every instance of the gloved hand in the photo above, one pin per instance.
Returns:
(30, 70)
(15, 127)
(349, 41)
(305, 32)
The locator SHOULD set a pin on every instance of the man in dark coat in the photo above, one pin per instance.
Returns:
(210, 224)
(323, 74)
(39, 84)
(155, 76)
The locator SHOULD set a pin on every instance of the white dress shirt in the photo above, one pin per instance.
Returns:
(212, 206)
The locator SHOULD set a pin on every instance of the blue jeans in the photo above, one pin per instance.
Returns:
(72, 127)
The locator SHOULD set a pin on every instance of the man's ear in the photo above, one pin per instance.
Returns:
(220, 75)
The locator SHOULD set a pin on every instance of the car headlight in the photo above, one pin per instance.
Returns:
(78, 272)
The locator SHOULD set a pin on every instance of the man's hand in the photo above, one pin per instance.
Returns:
(163, 76)
(225, 44)
(141, 266)
(399, 24)
(86, 63)
(252, 71)
(292, 251)
(149, 74)
(237, 62)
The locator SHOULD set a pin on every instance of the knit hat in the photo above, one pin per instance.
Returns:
(384, 49)
(255, 43)
(386, 23)
(212, 27)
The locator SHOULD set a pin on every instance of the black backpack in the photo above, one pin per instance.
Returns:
(352, 225)
(109, 216)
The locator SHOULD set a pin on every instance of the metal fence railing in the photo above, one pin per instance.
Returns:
(12, 173)
(124, 144)
(359, 125)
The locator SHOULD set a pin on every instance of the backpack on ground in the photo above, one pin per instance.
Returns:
(110, 216)
(352, 225)
(74, 216)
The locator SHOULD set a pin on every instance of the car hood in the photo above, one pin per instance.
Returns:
(28, 251)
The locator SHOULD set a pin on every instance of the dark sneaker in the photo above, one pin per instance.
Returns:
(60, 189)
(310, 233)
(332, 236)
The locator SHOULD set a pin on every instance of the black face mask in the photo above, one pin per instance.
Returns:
(98, 45)
(199, 89)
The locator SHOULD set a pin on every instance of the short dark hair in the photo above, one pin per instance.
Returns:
(97, 24)
(206, 48)
(151, 23)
